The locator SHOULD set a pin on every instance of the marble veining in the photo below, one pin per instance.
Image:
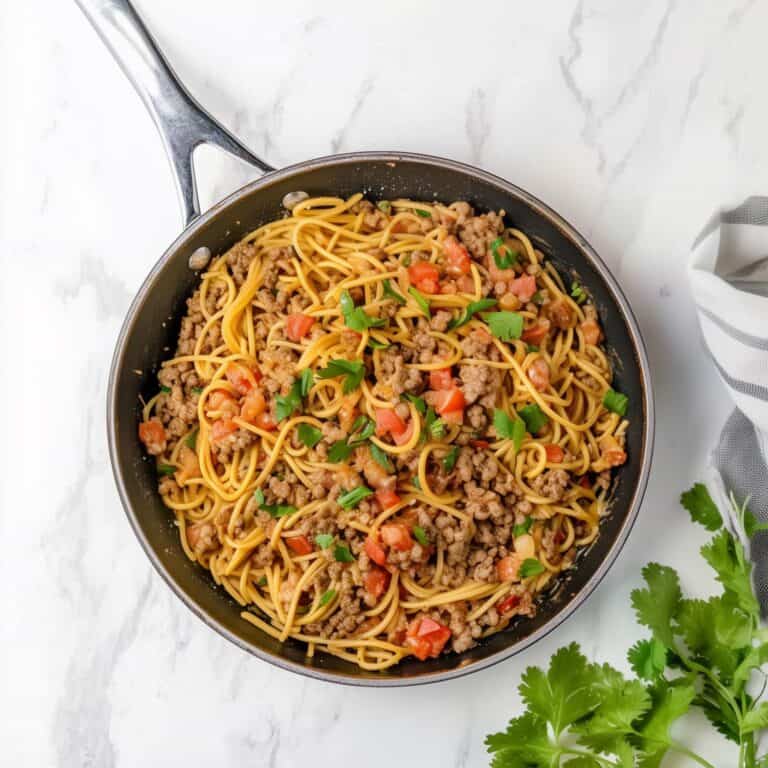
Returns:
(634, 120)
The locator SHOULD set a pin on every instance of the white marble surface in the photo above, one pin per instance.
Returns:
(633, 119)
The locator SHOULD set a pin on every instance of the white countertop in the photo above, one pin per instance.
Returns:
(634, 120)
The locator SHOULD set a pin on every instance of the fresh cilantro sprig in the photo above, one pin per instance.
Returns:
(701, 653)
(352, 371)
(356, 318)
(293, 401)
(470, 311)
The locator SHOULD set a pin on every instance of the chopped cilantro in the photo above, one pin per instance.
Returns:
(352, 498)
(449, 460)
(352, 371)
(420, 535)
(508, 428)
(616, 402)
(380, 457)
(506, 259)
(420, 300)
(522, 528)
(166, 469)
(287, 404)
(191, 439)
(324, 540)
(533, 417)
(309, 435)
(356, 318)
(531, 567)
(470, 310)
(327, 597)
(504, 325)
(342, 554)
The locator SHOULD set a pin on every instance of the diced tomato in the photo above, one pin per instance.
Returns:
(377, 581)
(611, 452)
(508, 603)
(152, 434)
(397, 536)
(456, 257)
(224, 402)
(450, 401)
(222, 428)
(482, 444)
(507, 568)
(441, 379)
(387, 421)
(585, 482)
(536, 333)
(297, 326)
(387, 498)
(406, 436)
(425, 276)
(299, 545)
(253, 406)
(523, 287)
(591, 331)
(426, 638)
(375, 551)
(239, 377)
(190, 467)
(554, 453)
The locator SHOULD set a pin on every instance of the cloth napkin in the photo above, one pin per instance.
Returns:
(728, 273)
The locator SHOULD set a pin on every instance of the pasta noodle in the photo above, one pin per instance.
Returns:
(386, 428)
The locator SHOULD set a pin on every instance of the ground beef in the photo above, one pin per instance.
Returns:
(478, 232)
(552, 484)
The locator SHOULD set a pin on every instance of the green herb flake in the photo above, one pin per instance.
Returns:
(535, 419)
(531, 567)
(522, 528)
(287, 404)
(309, 435)
(505, 325)
(616, 402)
(324, 540)
(449, 460)
(262, 582)
(339, 451)
(327, 597)
(419, 298)
(342, 554)
(434, 425)
(166, 469)
(191, 439)
(352, 371)
(508, 428)
(531, 348)
(380, 457)
(420, 535)
(701, 507)
(374, 344)
(165, 390)
(390, 293)
(416, 482)
(352, 498)
(274, 510)
(506, 259)
(470, 310)
(422, 213)
(356, 318)
(418, 402)
(384, 206)
(577, 293)
(538, 298)
(197, 390)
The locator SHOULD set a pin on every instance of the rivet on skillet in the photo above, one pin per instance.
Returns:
(200, 258)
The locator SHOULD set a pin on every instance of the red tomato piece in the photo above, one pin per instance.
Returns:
(449, 401)
(387, 498)
(423, 272)
(426, 638)
(265, 421)
(299, 545)
(508, 604)
(555, 453)
(426, 626)
(377, 581)
(375, 551)
(397, 536)
(536, 333)
(442, 379)
(388, 421)
(420, 647)
(152, 434)
(585, 482)
(523, 287)
(456, 257)
(297, 326)
(507, 568)
(222, 428)
(482, 444)
(240, 378)
(591, 331)
(406, 436)
(253, 406)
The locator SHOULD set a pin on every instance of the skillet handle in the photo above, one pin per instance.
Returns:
(182, 122)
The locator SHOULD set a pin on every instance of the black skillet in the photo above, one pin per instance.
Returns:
(152, 325)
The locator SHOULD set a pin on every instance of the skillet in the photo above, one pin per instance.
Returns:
(152, 324)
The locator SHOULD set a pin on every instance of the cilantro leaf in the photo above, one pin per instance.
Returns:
(531, 567)
(380, 457)
(418, 402)
(616, 402)
(165, 390)
(449, 460)
(384, 206)
(522, 528)
(703, 510)
(669, 701)
(423, 214)
(326, 597)
(390, 293)
(356, 318)
(505, 259)
(756, 719)
(274, 510)
(342, 554)
(657, 606)
(508, 428)
(324, 540)
(504, 325)
(565, 693)
(648, 658)
(352, 498)
(166, 469)
(469, 311)
(376, 344)
(535, 419)
(309, 435)
(419, 298)
(577, 293)
(287, 404)
(524, 743)
(434, 425)
(191, 439)
(420, 535)
(734, 571)
(340, 451)
(352, 370)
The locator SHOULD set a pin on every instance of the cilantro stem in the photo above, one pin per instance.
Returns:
(591, 755)
(688, 753)
(721, 689)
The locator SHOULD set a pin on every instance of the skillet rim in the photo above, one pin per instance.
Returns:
(541, 208)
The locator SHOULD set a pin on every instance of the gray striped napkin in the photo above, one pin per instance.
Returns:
(729, 280)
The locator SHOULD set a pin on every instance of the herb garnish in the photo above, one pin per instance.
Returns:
(352, 371)
(503, 260)
(309, 435)
(352, 498)
(420, 535)
(577, 293)
(327, 597)
(356, 318)
(390, 293)
(449, 460)
(342, 554)
(616, 402)
(508, 428)
(505, 325)
(166, 469)
(287, 404)
(469, 311)
(380, 457)
(420, 300)
(533, 417)
(324, 540)
(274, 510)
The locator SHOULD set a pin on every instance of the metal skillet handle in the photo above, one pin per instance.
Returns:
(182, 122)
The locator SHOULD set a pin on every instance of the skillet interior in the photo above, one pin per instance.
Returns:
(151, 329)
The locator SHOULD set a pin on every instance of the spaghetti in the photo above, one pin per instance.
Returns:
(387, 428)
